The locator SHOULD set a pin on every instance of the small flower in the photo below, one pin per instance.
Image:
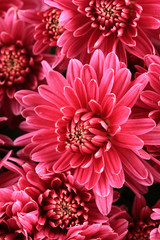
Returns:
(62, 206)
(19, 67)
(142, 226)
(47, 28)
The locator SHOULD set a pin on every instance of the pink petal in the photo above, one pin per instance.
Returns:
(82, 175)
(76, 161)
(115, 180)
(47, 93)
(63, 163)
(138, 126)
(95, 40)
(112, 61)
(81, 92)
(88, 73)
(130, 98)
(143, 45)
(122, 81)
(119, 115)
(73, 70)
(95, 107)
(149, 22)
(113, 161)
(150, 98)
(104, 203)
(127, 141)
(152, 137)
(102, 188)
(108, 105)
(133, 165)
(93, 90)
(72, 97)
(96, 62)
(98, 164)
(106, 83)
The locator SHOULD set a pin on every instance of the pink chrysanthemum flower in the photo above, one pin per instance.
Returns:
(64, 206)
(141, 225)
(47, 28)
(110, 25)
(47, 32)
(19, 67)
(84, 123)
(18, 214)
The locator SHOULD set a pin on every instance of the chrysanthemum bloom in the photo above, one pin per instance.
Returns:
(19, 67)
(64, 204)
(107, 24)
(18, 214)
(47, 32)
(142, 226)
(47, 28)
(83, 122)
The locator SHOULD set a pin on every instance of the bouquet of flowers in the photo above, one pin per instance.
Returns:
(80, 119)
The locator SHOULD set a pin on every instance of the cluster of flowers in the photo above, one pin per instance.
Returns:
(80, 119)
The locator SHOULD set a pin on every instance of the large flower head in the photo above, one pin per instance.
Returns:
(62, 206)
(84, 123)
(19, 67)
(107, 24)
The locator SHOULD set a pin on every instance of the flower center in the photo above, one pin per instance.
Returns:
(85, 133)
(15, 64)
(141, 230)
(64, 209)
(112, 16)
(50, 19)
